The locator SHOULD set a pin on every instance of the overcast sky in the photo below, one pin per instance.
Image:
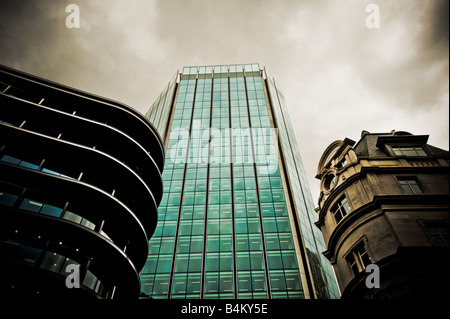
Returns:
(339, 77)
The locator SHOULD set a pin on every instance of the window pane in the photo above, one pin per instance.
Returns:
(226, 261)
(87, 223)
(164, 263)
(406, 189)
(351, 260)
(195, 263)
(255, 242)
(197, 226)
(27, 255)
(30, 205)
(363, 255)
(181, 263)
(243, 261)
(196, 244)
(420, 151)
(161, 284)
(242, 243)
(8, 249)
(169, 228)
(286, 241)
(225, 243)
(179, 284)
(211, 283)
(258, 281)
(51, 210)
(438, 232)
(7, 199)
(365, 259)
(90, 280)
(416, 189)
(226, 282)
(409, 185)
(277, 281)
(274, 260)
(340, 209)
(183, 244)
(244, 281)
(256, 260)
(166, 246)
(72, 217)
(29, 165)
(272, 242)
(346, 206)
(289, 260)
(409, 151)
(193, 285)
(212, 262)
(292, 280)
(52, 261)
(212, 244)
(10, 159)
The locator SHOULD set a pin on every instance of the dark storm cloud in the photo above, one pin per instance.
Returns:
(102, 56)
(410, 58)
(28, 32)
(438, 26)
(338, 76)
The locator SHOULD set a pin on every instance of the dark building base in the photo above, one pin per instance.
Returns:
(412, 273)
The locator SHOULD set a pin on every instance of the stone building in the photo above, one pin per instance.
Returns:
(384, 201)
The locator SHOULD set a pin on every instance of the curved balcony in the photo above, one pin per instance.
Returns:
(86, 105)
(89, 165)
(64, 126)
(80, 184)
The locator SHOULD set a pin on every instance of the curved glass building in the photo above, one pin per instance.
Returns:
(80, 184)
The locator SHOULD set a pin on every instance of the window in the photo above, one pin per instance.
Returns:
(329, 181)
(92, 282)
(30, 205)
(342, 163)
(52, 261)
(51, 210)
(72, 217)
(358, 258)
(438, 232)
(7, 199)
(409, 151)
(27, 255)
(340, 209)
(410, 185)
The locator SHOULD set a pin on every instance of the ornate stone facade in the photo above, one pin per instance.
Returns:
(384, 201)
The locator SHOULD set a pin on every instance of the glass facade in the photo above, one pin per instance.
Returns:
(236, 218)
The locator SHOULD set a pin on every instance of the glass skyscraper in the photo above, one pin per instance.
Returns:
(237, 218)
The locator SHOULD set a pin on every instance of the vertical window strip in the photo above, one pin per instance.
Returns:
(208, 169)
(273, 98)
(233, 212)
(266, 265)
(174, 253)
